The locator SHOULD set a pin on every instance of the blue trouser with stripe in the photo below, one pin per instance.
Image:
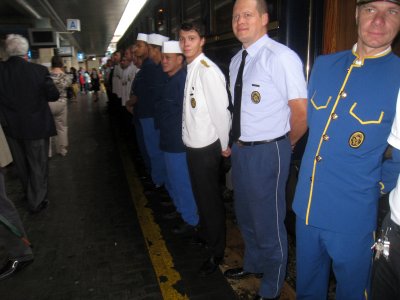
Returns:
(259, 175)
(178, 175)
(349, 254)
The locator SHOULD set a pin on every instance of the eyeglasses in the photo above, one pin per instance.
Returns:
(246, 16)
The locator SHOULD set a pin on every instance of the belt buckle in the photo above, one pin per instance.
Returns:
(239, 143)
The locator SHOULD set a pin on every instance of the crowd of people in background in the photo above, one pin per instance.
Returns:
(174, 100)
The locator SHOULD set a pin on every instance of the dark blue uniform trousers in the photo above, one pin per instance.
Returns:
(349, 254)
(259, 175)
(140, 142)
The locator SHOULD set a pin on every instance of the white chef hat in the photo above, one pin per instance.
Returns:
(171, 47)
(142, 37)
(156, 39)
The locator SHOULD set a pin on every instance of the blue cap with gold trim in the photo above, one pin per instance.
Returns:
(360, 2)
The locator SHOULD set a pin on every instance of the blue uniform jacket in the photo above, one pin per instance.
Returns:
(148, 88)
(352, 103)
(169, 113)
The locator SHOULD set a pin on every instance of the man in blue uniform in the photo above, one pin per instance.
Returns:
(352, 100)
(152, 81)
(269, 91)
(169, 120)
(141, 51)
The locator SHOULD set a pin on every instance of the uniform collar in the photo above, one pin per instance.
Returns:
(177, 73)
(255, 47)
(196, 61)
(380, 54)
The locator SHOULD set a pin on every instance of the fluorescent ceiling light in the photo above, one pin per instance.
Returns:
(131, 11)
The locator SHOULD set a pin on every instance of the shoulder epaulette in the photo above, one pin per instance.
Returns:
(204, 63)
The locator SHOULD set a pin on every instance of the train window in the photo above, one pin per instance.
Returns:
(221, 21)
(273, 10)
(192, 10)
(175, 18)
(160, 21)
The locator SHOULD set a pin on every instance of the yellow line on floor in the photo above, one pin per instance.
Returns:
(161, 258)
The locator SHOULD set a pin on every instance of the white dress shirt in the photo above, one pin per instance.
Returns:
(272, 76)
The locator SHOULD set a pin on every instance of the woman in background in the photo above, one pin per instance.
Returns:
(59, 107)
(94, 77)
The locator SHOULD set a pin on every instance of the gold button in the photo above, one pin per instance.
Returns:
(343, 94)
(334, 116)
(325, 137)
(318, 158)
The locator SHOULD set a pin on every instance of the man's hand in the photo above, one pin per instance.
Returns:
(226, 152)
(298, 119)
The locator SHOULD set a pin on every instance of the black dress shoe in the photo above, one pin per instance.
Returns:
(12, 266)
(171, 215)
(210, 266)
(196, 241)
(239, 273)
(183, 228)
(258, 297)
(43, 205)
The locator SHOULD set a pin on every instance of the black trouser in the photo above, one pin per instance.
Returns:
(204, 170)
(31, 160)
(386, 273)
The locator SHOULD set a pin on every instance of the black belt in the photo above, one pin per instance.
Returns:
(241, 143)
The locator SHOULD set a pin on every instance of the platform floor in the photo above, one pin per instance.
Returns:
(102, 238)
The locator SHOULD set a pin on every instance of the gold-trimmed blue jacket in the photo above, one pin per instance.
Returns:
(352, 103)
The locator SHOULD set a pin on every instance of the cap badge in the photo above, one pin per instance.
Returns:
(356, 139)
(255, 97)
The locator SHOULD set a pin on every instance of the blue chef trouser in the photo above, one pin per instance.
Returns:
(259, 175)
(151, 137)
(178, 177)
(349, 254)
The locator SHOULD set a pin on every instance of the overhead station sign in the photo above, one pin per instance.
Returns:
(73, 25)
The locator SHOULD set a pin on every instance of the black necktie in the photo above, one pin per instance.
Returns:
(238, 100)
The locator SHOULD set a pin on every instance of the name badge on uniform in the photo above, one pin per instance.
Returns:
(193, 102)
(356, 139)
(255, 97)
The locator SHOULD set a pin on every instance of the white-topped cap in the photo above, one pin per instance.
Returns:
(156, 39)
(142, 37)
(171, 47)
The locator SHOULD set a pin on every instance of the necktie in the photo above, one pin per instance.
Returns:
(238, 100)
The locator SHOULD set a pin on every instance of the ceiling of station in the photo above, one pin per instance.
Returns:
(98, 19)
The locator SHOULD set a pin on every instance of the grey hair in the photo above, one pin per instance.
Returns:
(16, 45)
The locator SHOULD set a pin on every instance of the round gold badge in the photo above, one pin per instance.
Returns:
(356, 139)
(255, 97)
(193, 102)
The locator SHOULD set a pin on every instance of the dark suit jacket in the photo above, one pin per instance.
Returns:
(25, 89)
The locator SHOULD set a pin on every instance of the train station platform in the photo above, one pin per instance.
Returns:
(101, 237)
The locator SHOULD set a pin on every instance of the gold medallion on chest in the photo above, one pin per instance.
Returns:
(356, 139)
(255, 97)
(193, 102)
